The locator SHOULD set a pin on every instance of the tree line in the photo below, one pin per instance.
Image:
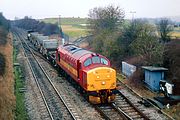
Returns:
(38, 26)
(121, 39)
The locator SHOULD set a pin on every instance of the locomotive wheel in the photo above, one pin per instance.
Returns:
(54, 63)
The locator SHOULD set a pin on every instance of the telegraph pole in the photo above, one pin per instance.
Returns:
(133, 13)
(59, 21)
(59, 24)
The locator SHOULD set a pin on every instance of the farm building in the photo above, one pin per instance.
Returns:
(153, 75)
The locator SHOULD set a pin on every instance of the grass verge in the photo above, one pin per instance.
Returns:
(20, 113)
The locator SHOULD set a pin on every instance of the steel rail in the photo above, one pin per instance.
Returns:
(35, 78)
(59, 95)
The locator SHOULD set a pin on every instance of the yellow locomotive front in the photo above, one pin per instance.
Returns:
(101, 84)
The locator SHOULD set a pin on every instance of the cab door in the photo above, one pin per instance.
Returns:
(79, 70)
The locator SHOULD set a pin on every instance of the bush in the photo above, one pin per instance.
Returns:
(2, 64)
(172, 58)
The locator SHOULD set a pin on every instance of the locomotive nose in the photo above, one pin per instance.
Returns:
(101, 78)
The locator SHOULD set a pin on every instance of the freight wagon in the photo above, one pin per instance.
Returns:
(49, 47)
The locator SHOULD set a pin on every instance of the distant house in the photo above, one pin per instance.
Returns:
(153, 75)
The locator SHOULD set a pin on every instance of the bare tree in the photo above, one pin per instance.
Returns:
(104, 24)
(129, 34)
(165, 29)
(109, 17)
(148, 46)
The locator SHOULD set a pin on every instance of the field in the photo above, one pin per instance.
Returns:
(74, 27)
(176, 33)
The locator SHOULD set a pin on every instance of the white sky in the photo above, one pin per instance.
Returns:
(75, 8)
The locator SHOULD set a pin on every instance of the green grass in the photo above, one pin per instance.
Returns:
(21, 113)
(79, 26)
(175, 34)
(76, 34)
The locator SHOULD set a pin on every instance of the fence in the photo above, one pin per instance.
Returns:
(128, 69)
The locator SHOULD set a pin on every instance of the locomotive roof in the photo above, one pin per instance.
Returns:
(76, 52)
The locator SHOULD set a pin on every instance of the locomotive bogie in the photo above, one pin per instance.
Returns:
(94, 99)
(103, 96)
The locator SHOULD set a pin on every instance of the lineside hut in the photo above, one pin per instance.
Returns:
(153, 75)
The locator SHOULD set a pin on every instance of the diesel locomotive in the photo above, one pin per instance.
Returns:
(91, 71)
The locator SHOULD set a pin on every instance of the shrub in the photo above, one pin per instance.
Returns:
(3, 34)
(2, 64)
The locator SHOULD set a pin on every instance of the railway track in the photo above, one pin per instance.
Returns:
(56, 106)
(128, 108)
(153, 112)
(122, 109)
(109, 112)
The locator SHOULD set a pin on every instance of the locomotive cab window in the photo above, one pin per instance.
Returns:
(104, 61)
(96, 59)
(87, 62)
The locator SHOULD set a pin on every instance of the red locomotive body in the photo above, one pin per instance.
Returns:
(91, 71)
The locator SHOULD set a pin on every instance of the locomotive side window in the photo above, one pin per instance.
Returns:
(104, 61)
(96, 59)
(87, 62)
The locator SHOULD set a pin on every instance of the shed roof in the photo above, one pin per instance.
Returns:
(151, 68)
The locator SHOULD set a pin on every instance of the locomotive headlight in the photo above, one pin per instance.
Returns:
(103, 83)
(97, 76)
(108, 76)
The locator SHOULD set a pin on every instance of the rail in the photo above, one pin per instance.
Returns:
(40, 89)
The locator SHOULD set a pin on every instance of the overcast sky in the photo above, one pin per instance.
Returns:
(80, 8)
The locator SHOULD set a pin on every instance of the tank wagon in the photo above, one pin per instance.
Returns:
(91, 72)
